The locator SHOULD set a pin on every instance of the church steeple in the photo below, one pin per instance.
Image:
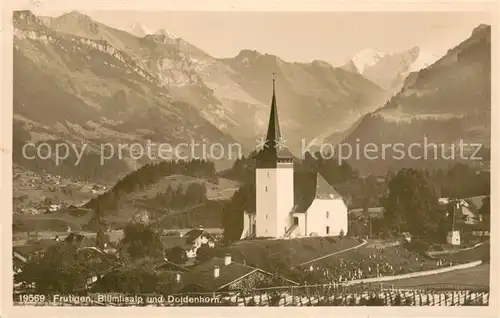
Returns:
(273, 129)
(274, 149)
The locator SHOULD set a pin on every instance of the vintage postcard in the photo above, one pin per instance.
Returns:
(212, 155)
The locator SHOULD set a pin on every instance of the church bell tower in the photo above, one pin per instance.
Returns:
(274, 180)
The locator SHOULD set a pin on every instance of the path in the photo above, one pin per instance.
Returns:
(335, 253)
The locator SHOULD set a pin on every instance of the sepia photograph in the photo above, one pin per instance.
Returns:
(168, 158)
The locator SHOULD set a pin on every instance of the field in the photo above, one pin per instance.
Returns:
(478, 276)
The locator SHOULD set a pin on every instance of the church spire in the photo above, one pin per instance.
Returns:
(274, 148)
(273, 129)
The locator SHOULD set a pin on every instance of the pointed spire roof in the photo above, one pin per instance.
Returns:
(274, 146)
(273, 129)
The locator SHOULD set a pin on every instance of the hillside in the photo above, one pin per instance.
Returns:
(314, 95)
(174, 194)
(81, 82)
(446, 102)
(88, 92)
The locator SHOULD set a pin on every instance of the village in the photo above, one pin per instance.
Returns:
(299, 244)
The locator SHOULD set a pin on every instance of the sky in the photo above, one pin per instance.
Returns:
(334, 37)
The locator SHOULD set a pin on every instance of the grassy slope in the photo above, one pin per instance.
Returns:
(268, 253)
(475, 276)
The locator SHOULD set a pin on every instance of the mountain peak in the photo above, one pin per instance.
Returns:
(139, 30)
(26, 18)
(481, 27)
(166, 33)
(78, 16)
(367, 57)
(247, 53)
(321, 63)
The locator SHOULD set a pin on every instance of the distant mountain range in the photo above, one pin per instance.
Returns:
(445, 102)
(390, 70)
(81, 81)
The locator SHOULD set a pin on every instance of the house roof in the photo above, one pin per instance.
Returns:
(324, 190)
(34, 246)
(173, 241)
(75, 238)
(170, 266)
(475, 203)
(310, 185)
(193, 234)
(203, 275)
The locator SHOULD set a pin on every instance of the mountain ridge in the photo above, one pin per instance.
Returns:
(447, 102)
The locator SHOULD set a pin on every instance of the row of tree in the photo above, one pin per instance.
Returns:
(150, 174)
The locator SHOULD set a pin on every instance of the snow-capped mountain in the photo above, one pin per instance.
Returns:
(389, 70)
(367, 58)
(446, 103)
(139, 30)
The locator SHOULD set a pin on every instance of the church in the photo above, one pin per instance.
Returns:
(280, 210)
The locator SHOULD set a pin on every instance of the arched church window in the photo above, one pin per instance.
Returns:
(266, 188)
(327, 214)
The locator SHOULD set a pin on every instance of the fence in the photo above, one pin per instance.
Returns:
(315, 295)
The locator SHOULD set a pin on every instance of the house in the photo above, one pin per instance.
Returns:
(34, 247)
(406, 236)
(281, 210)
(466, 210)
(198, 237)
(190, 242)
(224, 274)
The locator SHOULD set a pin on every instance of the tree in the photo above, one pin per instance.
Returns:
(204, 253)
(411, 203)
(141, 240)
(233, 211)
(176, 255)
(59, 270)
(136, 278)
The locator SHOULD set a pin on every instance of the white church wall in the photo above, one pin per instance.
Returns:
(285, 199)
(266, 205)
(274, 195)
(323, 213)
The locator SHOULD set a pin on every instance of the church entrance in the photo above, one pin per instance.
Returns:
(295, 220)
